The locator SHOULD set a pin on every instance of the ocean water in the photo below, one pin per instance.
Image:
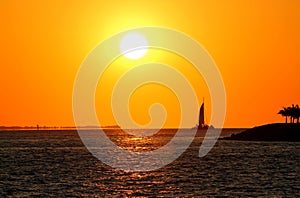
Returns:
(57, 164)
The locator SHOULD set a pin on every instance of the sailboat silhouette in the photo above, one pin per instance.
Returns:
(201, 123)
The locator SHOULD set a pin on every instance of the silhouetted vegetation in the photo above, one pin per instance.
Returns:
(292, 112)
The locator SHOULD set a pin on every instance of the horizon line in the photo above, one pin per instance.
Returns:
(98, 127)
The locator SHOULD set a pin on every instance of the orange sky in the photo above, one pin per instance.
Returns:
(254, 43)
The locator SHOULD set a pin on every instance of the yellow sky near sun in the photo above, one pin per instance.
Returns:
(254, 43)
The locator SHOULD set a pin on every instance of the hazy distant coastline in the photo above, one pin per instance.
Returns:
(84, 127)
(54, 127)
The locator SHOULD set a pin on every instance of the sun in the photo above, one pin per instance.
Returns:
(134, 45)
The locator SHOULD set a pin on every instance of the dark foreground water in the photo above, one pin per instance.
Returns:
(56, 164)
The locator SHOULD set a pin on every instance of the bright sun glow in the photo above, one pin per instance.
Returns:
(133, 45)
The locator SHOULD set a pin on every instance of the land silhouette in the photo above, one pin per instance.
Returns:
(276, 131)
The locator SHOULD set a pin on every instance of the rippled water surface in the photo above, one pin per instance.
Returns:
(56, 164)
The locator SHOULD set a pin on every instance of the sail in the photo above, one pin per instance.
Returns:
(201, 115)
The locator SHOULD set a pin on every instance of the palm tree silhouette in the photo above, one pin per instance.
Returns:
(293, 112)
(284, 112)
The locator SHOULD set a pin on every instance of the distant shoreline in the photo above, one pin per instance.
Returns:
(54, 127)
(50, 128)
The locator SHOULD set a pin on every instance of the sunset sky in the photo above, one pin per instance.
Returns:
(255, 44)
